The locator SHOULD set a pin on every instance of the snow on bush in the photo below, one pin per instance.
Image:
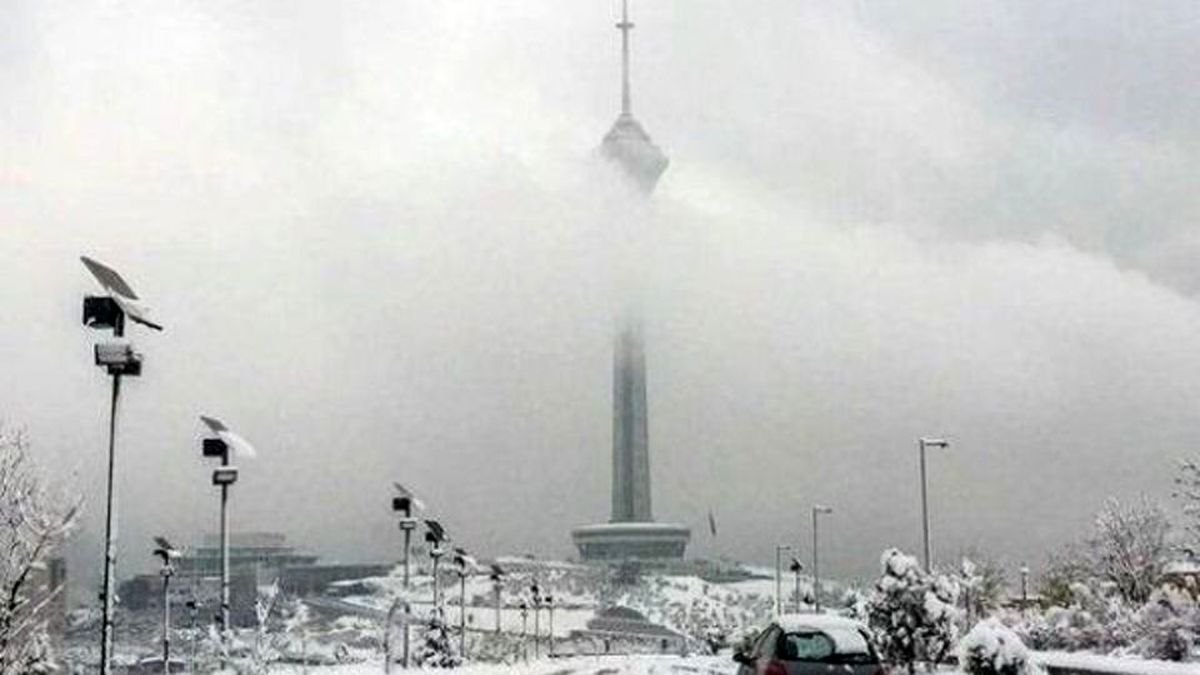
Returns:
(911, 612)
(436, 649)
(991, 648)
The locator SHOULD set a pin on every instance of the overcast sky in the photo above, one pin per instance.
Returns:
(382, 248)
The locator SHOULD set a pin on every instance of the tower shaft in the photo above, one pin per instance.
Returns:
(631, 446)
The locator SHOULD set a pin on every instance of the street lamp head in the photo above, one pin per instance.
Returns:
(796, 565)
(434, 532)
(822, 509)
(108, 312)
(233, 444)
(497, 573)
(165, 551)
(405, 501)
(934, 442)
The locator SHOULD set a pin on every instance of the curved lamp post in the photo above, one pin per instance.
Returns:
(923, 443)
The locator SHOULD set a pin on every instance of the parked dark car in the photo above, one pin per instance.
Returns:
(810, 644)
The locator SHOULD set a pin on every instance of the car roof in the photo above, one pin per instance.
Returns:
(799, 622)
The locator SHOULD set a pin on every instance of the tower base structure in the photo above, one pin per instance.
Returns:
(615, 542)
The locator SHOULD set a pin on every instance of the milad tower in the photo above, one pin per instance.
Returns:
(631, 533)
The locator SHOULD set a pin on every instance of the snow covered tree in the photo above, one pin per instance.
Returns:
(1128, 548)
(981, 582)
(33, 522)
(911, 612)
(990, 648)
(436, 649)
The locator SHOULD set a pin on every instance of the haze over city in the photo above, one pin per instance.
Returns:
(383, 250)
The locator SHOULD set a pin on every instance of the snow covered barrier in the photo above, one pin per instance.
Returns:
(1080, 663)
(991, 648)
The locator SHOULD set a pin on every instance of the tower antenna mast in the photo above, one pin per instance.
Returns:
(625, 26)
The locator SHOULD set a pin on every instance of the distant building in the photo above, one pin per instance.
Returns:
(621, 629)
(631, 532)
(264, 550)
(256, 559)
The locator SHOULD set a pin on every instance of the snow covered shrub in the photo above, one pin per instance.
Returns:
(436, 649)
(1169, 625)
(911, 612)
(992, 649)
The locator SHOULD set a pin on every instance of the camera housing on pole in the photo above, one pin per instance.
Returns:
(118, 358)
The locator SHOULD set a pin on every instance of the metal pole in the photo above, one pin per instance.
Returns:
(407, 527)
(816, 568)
(537, 632)
(1024, 587)
(435, 554)
(924, 506)
(110, 528)
(498, 600)
(225, 626)
(524, 631)
(192, 610)
(797, 589)
(462, 614)
(404, 648)
(407, 548)
(550, 609)
(778, 607)
(166, 620)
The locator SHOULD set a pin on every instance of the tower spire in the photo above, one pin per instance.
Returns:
(625, 26)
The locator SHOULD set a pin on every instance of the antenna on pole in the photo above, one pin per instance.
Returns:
(625, 26)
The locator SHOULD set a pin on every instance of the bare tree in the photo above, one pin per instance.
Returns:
(33, 522)
(1128, 548)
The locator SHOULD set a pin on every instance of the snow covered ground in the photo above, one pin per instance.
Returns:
(591, 665)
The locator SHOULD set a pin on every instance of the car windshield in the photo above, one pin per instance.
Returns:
(835, 645)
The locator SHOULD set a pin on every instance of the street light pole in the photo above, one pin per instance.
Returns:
(796, 568)
(779, 549)
(537, 605)
(166, 552)
(524, 631)
(923, 443)
(550, 611)
(497, 577)
(108, 312)
(224, 446)
(404, 503)
(816, 511)
(1024, 587)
